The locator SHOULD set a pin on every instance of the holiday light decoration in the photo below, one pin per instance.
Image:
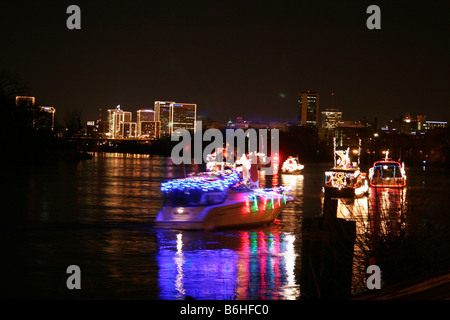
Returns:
(268, 198)
(387, 174)
(206, 181)
(291, 166)
(345, 178)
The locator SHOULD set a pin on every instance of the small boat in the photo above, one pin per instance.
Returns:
(218, 199)
(387, 173)
(345, 179)
(291, 166)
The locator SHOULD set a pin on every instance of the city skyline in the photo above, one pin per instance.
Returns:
(249, 60)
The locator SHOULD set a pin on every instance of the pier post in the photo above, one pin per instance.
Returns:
(327, 255)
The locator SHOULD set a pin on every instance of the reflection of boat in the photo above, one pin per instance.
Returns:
(387, 174)
(387, 211)
(345, 179)
(250, 264)
(291, 166)
(217, 199)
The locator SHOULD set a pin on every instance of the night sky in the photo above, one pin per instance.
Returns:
(248, 58)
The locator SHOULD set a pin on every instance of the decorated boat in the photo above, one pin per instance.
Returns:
(291, 166)
(218, 199)
(387, 173)
(345, 179)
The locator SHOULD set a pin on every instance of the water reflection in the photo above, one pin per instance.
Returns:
(99, 214)
(382, 212)
(255, 264)
(387, 211)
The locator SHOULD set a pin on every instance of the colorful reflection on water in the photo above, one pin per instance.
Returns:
(99, 214)
(243, 265)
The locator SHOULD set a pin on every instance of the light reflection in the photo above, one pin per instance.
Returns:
(260, 266)
(387, 211)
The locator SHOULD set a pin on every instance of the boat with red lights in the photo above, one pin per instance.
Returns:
(217, 199)
(387, 173)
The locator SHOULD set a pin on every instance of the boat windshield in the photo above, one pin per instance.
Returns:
(391, 170)
(193, 198)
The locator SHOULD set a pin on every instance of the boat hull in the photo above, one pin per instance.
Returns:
(213, 217)
(291, 172)
(388, 183)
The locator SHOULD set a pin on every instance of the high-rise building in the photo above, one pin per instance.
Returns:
(331, 118)
(150, 130)
(184, 116)
(128, 129)
(173, 116)
(163, 115)
(25, 101)
(144, 115)
(308, 109)
(45, 118)
(115, 118)
(33, 116)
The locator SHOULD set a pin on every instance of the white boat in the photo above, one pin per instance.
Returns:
(291, 166)
(387, 174)
(218, 199)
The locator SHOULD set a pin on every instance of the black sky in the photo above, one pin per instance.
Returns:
(232, 58)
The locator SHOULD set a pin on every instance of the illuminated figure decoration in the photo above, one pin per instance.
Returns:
(247, 165)
(387, 173)
(291, 166)
(345, 180)
(214, 162)
(343, 160)
(212, 199)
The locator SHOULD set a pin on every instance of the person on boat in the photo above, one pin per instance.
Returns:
(377, 176)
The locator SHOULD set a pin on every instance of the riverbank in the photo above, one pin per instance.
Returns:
(421, 288)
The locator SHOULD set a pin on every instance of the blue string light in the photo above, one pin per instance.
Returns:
(206, 181)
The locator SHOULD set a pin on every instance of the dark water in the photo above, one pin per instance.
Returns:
(98, 214)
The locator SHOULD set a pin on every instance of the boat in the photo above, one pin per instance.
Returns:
(218, 199)
(291, 166)
(345, 179)
(387, 173)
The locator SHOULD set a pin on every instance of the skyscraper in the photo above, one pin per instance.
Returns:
(115, 118)
(163, 115)
(183, 116)
(173, 116)
(331, 118)
(308, 109)
(144, 115)
(147, 126)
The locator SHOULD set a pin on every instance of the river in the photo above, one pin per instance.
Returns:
(98, 214)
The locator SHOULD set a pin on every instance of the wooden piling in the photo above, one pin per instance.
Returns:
(327, 255)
